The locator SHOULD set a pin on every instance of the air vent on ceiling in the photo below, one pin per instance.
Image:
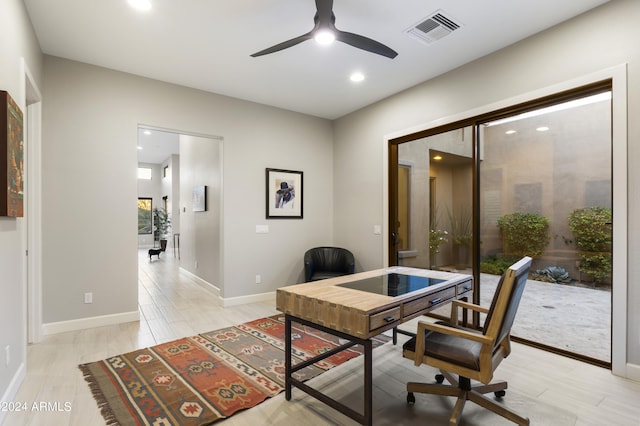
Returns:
(433, 28)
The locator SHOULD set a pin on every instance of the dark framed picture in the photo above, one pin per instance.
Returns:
(11, 158)
(199, 198)
(284, 194)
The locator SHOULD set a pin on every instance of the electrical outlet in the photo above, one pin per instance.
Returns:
(258, 279)
(7, 355)
(88, 298)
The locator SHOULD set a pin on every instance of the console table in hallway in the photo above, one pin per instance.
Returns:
(358, 307)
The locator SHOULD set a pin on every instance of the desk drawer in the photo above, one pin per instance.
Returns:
(383, 318)
(429, 301)
(465, 287)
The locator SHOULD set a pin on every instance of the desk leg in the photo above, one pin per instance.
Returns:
(287, 357)
(368, 383)
(465, 322)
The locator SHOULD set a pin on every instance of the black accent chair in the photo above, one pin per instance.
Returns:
(470, 354)
(327, 262)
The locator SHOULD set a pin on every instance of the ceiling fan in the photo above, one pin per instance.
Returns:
(325, 31)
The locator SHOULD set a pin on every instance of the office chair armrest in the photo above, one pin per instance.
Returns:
(450, 331)
(464, 305)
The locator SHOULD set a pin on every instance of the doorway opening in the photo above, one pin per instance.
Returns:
(180, 165)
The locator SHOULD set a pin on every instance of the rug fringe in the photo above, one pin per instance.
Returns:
(105, 409)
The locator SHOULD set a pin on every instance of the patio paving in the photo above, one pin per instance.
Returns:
(568, 317)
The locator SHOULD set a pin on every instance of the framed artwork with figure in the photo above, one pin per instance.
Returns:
(283, 194)
(11, 157)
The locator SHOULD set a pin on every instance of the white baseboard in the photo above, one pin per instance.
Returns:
(633, 372)
(12, 390)
(91, 322)
(252, 298)
(231, 301)
(205, 284)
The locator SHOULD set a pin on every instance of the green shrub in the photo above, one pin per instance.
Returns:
(494, 265)
(591, 227)
(524, 234)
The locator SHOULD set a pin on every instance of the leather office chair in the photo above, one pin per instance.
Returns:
(327, 262)
(472, 355)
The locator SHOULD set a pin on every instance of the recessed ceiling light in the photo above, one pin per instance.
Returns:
(510, 132)
(324, 37)
(147, 132)
(139, 147)
(437, 157)
(357, 77)
(542, 129)
(142, 5)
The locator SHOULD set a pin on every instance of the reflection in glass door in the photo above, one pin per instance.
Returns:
(546, 192)
(430, 218)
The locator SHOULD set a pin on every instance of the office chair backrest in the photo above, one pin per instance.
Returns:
(500, 317)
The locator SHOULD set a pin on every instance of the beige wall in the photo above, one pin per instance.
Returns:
(89, 184)
(563, 53)
(201, 232)
(17, 41)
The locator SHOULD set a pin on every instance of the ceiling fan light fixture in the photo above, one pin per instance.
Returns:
(357, 77)
(325, 32)
(142, 5)
(324, 37)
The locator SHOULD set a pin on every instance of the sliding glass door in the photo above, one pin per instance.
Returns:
(530, 180)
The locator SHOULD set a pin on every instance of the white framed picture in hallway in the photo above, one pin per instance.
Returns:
(199, 198)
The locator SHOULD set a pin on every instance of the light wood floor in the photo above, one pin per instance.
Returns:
(549, 389)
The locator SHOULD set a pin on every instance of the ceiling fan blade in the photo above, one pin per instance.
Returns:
(365, 43)
(284, 45)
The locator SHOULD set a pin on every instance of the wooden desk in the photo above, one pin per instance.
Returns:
(357, 315)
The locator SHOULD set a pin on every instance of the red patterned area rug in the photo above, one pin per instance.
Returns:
(200, 379)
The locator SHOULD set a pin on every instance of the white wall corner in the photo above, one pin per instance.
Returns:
(12, 390)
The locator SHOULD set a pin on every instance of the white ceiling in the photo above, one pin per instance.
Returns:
(155, 146)
(205, 44)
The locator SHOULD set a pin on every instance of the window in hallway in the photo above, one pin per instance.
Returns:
(144, 216)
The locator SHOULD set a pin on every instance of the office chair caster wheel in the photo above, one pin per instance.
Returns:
(411, 399)
(439, 378)
(500, 394)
